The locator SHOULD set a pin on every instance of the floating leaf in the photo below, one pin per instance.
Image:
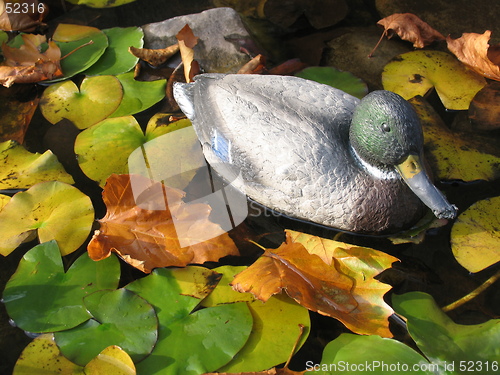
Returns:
(326, 276)
(116, 58)
(353, 354)
(53, 210)
(4, 199)
(275, 328)
(475, 236)
(41, 297)
(443, 341)
(410, 27)
(415, 73)
(344, 81)
(119, 317)
(43, 355)
(101, 3)
(484, 111)
(210, 337)
(473, 50)
(155, 57)
(453, 156)
(81, 46)
(145, 226)
(22, 169)
(137, 95)
(26, 64)
(96, 99)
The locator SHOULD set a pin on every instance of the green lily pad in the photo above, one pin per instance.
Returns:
(475, 236)
(344, 81)
(443, 341)
(116, 58)
(81, 46)
(210, 337)
(41, 297)
(415, 73)
(22, 169)
(120, 317)
(96, 99)
(353, 354)
(137, 95)
(53, 210)
(105, 148)
(101, 3)
(275, 329)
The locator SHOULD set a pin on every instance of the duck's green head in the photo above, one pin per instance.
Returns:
(386, 134)
(385, 129)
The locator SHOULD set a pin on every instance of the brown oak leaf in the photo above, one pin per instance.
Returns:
(22, 16)
(151, 238)
(155, 57)
(27, 64)
(474, 50)
(187, 41)
(411, 28)
(326, 276)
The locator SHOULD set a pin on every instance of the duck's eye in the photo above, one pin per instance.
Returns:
(385, 128)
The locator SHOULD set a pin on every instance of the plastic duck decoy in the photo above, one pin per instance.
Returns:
(313, 152)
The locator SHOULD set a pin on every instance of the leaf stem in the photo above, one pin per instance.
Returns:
(481, 288)
(256, 244)
(77, 48)
(301, 327)
(370, 55)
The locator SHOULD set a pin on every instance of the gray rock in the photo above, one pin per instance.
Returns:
(216, 30)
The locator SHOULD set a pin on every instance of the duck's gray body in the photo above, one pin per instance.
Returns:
(289, 139)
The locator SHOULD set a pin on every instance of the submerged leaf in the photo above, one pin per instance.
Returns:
(149, 226)
(475, 236)
(101, 3)
(329, 277)
(411, 28)
(41, 297)
(344, 81)
(473, 50)
(16, 117)
(53, 210)
(415, 73)
(22, 169)
(96, 99)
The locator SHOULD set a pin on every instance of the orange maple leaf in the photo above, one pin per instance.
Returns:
(326, 276)
(474, 50)
(146, 238)
(27, 64)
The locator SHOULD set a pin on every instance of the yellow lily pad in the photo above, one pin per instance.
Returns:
(42, 356)
(4, 199)
(21, 169)
(101, 3)
(96, 99)
(453, 156)
(415, 73)
(475, 236)
(53, 210)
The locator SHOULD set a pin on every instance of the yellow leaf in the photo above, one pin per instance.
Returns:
(111, 361)
(415, 73)
(475, 236)
(453, 156)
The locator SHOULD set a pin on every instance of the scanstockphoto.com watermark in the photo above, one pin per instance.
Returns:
(481, 367)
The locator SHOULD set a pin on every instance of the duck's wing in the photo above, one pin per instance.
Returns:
(288, 137)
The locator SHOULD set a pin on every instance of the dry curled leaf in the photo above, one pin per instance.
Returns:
(151, 238)
(409, 27)
(27, 64)
(474, 50)
(155, 57)
(187, 40)
(326, 276)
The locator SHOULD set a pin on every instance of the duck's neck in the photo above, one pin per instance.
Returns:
(383, 172)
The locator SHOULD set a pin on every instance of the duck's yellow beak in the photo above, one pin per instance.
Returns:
(416, 178)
